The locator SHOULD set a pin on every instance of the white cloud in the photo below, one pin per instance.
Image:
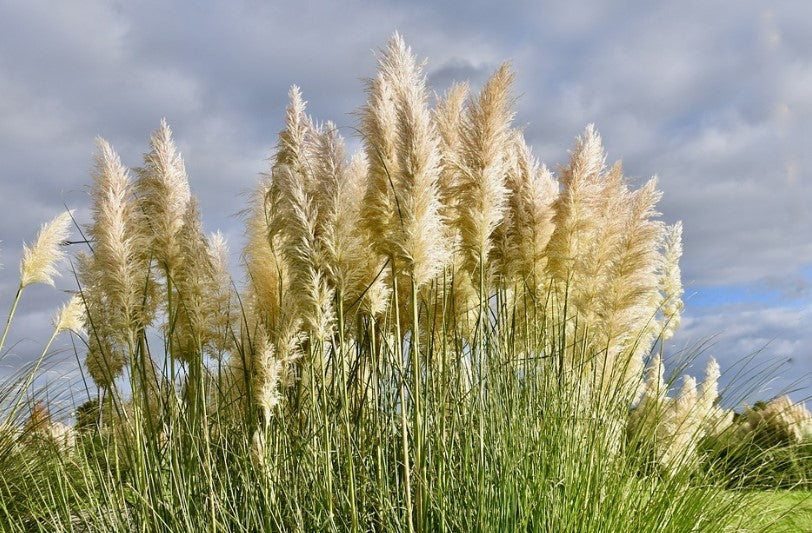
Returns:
(713, 100)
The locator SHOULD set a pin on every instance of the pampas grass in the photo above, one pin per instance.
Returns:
(163, 196)
(437, 333)
(480, 188)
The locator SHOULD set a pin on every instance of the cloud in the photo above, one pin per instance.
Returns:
(774, 339)
(712, 100)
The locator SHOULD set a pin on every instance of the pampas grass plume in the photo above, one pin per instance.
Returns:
(671, 281)
(40, 260)
(163, 192)
(71, 316)
(119, 250)
(485, 139)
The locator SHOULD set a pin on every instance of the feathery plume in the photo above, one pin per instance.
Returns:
(521, 237)
(267, 373)
(222, 297)
(710, 387)
(403, 151)
(576, 207)
(266, 273)
(379, 132)
(485, 139)
(338, 193)
(670, 280)
(298, 213)
(301, 250)
(292, 149)
(104, 361)
(119, 249)
(40, 260)
(203, 290)
(685, 426)
(715, 419)
(71, 316)
(163, 193)
(781, 421)
(447, 120)
(625, 314)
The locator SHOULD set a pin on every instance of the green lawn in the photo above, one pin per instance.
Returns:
(782, 511)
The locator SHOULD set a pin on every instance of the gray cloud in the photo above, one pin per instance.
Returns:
(769, 344)
(712, 99)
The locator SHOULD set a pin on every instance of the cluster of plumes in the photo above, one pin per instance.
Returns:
(451, 201)
(150, 259)
(781, 421)
(448, 204)
(616, 266)
(672, 427)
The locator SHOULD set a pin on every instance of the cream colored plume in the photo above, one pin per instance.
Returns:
(577, 208)
(267, 373)
(104, 360)
(297, 218)
(520, 240)
(481, 191)
(447, 119)
(119, 246)
(716, 419)
(403, 207)
(687, 422)
(71, 316)
(673, 427)
(163, 194)
(379, 133)
(671, 290)
(41, 259)
(301, 251)
(265, 271)
(625, 312)
(782, 420)
(202, 285)
(292, 149)
(222, 294)
(352, 266)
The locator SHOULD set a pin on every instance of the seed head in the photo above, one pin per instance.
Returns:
(40, 260)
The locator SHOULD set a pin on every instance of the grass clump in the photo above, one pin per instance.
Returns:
(437, 333)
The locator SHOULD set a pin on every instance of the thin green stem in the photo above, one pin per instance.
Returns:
(417, 405)
(345, 410)
(30, 379)
(10, 316)
(404, 425)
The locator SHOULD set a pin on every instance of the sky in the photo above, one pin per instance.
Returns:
(710, 96)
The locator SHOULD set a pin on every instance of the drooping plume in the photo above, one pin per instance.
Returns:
(39, 261)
